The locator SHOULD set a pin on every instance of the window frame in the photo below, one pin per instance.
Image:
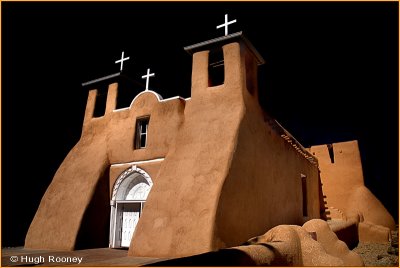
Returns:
(141, 135)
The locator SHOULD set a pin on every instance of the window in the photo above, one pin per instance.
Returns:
(142, 125)
(304, 191)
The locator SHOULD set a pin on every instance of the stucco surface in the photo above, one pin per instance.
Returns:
(227, 172)
(265, 173)
(224, 173)
(313, 244)
(331, 244)
(372, 233)
(151, 169)
(180, 211)
(346, 195)
(59, 217)
(76, 205)
(291, 245)
(346, 230)
(165, 119)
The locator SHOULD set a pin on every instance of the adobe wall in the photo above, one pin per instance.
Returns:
(81, 186)
(216, 188)
(282, 246)
(226, 175)
(151, 169)
(57, 221)
(343, 185)
(263, 187)
(180, 210)
(165, 119)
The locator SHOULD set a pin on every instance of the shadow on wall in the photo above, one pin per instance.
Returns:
(348, 233)
(223, 257)
(268, 255)
(313, 244)
(94, 231)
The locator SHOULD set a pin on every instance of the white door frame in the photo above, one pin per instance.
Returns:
(121, 190)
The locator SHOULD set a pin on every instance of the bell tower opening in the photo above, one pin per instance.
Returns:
(100, 104)
(216, 70)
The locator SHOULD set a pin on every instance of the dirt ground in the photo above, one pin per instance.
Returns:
(380, 254)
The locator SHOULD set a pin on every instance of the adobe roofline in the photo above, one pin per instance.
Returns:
(289, 138)
(98, 80)
(239, 36)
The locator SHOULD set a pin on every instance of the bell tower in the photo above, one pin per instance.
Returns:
(227, 61)
(200, 171)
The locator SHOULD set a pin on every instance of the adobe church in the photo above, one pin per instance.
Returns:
(177, 177)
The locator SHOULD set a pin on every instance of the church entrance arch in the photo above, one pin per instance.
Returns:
(127, 202)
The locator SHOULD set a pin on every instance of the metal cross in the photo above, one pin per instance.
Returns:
(147, 76)
(122, 60)
(226, 24)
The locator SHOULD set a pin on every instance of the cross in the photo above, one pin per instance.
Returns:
(147, 76)
(122, 60)
(226, 24)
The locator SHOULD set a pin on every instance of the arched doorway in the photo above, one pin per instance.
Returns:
(128, 198)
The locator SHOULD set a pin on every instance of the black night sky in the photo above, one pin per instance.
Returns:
(331, 75)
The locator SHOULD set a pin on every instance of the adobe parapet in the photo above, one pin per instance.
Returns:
(111, 96)
(223, 40)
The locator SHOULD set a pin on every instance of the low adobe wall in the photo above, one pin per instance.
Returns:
(343, 186)
(284, 245)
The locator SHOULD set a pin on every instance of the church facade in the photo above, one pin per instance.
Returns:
(177, 177)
